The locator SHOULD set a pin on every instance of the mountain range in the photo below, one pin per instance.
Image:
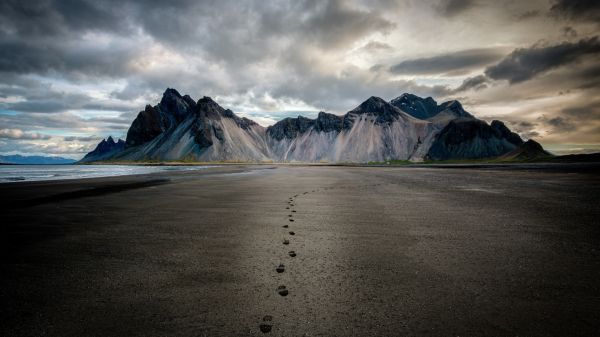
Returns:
(34, 160)
(406, 128)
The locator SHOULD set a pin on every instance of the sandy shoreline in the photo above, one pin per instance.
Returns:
(380, 251)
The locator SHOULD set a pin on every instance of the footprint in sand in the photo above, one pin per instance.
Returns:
(286, 242)
(282, 290)
(292, 253)
(292, 233)
(266, 326)
(281, 268)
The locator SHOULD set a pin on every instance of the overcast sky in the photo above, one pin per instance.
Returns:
(73, 72)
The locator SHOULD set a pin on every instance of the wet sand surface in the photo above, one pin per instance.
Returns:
(376, 252)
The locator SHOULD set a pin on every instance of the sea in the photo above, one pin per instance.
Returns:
(21, 173)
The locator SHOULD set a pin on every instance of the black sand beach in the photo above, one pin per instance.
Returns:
(376, 251)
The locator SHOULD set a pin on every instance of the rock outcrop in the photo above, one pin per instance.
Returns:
(105, 150)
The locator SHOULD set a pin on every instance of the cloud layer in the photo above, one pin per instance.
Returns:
(72, 72)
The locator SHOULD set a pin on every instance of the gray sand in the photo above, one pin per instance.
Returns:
(381, 252)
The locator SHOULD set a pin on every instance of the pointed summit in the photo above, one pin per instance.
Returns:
(454, 108)
(170, 92)
(206, 100)
(172, 103)
(416, 106)
(374, 105)
(385, 112)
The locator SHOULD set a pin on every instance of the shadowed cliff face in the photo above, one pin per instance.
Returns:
(467, 138)
(529, 150)
(407, 128)
(290, 127)
(416, 106)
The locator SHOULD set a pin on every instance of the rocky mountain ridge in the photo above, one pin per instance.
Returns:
(406, 128)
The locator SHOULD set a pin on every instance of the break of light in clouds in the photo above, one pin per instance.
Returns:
(73, 72)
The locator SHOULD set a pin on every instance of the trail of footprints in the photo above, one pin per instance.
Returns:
(267, 321)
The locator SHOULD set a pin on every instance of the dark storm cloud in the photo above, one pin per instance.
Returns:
(451, 63)
(454, 7)
(528, 15)
(336, 24)
(525, 129)
(569, 32)
(336, 94)
(37, 121)
(478, 82)
(217, 31)
(525, 63)
(42, 36)
(59, 17)
(44, 99)
(65, 57)
(577, 10)
(559, 124)
(60, 39)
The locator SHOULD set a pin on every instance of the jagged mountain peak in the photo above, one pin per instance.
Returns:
(411, 98)
(290, 127)
(418, 107)
(372, 104)
(170, 92)
(385, 112)
(206, 100)
(110, 141)
(455, 108)
(105, 149)
(428, 108)
(176, 105)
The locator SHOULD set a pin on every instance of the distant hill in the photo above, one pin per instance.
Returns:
(577, 158)
(530, 150)
(34, 160)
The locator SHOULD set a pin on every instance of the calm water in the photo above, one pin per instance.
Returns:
(16, 173)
